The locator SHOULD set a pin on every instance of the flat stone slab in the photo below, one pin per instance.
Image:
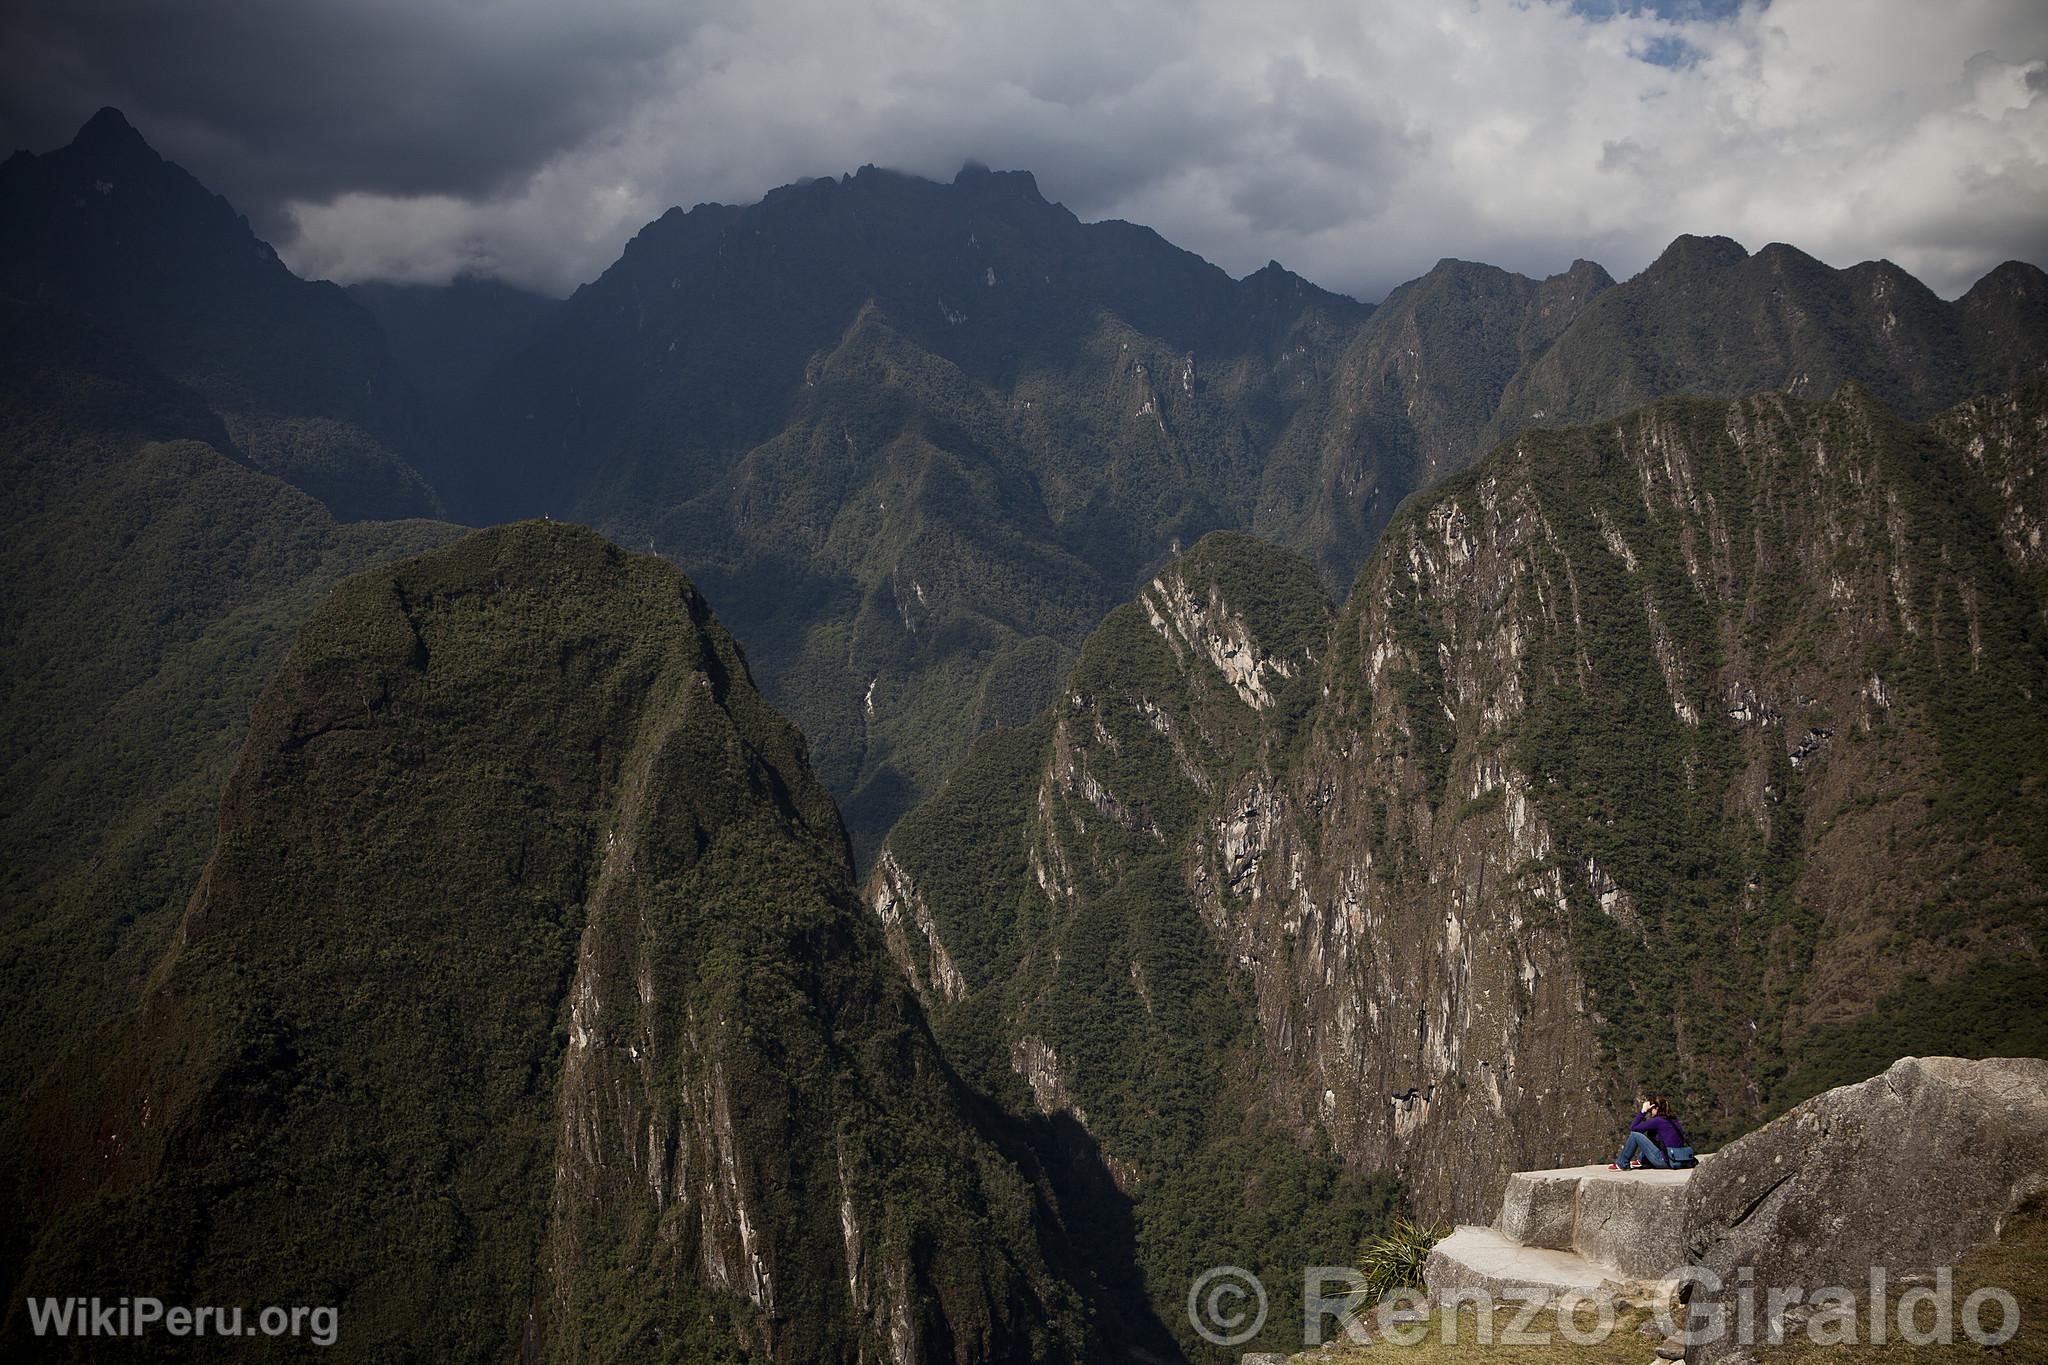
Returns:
(1630, 1223)
(1484, 1259)
(1481, 1260)
(1540, 1208)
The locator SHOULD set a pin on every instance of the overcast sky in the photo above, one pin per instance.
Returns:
(1354, 142)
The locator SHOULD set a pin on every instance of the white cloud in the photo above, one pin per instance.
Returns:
(1357, 143)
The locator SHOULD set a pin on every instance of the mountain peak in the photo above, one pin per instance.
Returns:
(2016, 279)
(1689, 250)
(1588, 272)
(110, 129)
(1272, 272)
(974, 174)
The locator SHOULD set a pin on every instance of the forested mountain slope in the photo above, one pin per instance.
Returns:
(914, 439)
(1709, 318)
(525, 1009)
(149, 585)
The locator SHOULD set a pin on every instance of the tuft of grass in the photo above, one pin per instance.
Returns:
(1394, 1259)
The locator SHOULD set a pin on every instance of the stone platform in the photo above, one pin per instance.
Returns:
(1577, 1230)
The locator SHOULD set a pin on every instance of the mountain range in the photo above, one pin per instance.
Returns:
(915, 439)
(1253, 760)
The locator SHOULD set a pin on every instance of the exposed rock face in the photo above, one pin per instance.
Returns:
(931, 433)
(1097, 1004)
(1708, 317)
(528, 930)
(912, 937)
(1210, 630)
(1910, 1171)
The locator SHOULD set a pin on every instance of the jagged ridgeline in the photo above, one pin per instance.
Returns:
(525, 1008)
(915, 439)
(1702, 748)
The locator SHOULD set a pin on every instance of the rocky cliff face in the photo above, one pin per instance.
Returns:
(2004, 438)
(1658, 752)
(524, 1008)
(1411, 399)
(915, 439)
(1708, 317)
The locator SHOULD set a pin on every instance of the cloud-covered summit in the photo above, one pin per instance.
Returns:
(1356, 142)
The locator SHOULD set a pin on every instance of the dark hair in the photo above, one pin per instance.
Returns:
(1662, 1104)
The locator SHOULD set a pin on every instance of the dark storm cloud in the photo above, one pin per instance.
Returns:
(277, 100)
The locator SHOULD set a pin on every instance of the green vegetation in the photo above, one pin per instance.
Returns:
(1994, 1007)
(1701, 970)
(515, 871)
(1709, 318)
(915, 440)
(152, 587)
(821, 403)
(1489, 1337)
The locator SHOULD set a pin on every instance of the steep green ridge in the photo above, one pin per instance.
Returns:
(1681, 750)
(525, 1008)
(299, 374)
(1039, 904)
(151, 586)
(2002, 437)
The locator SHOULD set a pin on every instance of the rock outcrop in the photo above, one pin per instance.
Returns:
(1909, 1171)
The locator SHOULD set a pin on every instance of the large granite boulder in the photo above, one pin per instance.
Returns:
(1911, 1170)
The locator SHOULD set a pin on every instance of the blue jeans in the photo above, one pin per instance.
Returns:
(1639, 1146)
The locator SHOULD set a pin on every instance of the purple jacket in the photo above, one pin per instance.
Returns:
(1664, 1132)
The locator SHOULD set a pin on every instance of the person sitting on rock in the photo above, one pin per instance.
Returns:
(1651, 1137)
